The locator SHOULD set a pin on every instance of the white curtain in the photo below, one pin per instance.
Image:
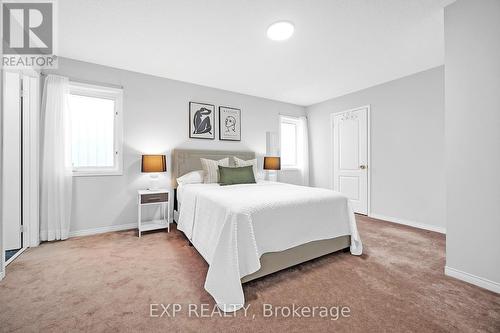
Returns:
(300, 173)
(56, 175)
(272, 149)
(303, 150)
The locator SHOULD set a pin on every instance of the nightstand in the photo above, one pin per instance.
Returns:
(159, 197)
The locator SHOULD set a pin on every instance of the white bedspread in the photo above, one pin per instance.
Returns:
(232, 226)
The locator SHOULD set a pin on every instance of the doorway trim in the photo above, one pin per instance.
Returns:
(31, 100)
(369, 148)
(11, 259)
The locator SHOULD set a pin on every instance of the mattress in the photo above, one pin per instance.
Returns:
(233, 226)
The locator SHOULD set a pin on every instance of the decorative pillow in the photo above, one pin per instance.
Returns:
(236, 175)
(210, 169)
(193, 177)
(241, 163)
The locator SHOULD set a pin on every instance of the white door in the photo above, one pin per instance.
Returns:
(12, 161)
(350, 156)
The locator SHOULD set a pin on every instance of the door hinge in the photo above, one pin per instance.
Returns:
(21, 228)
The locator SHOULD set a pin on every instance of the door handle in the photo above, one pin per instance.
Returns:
(362, 167)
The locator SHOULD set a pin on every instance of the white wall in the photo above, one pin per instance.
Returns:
(407, 146)
(11, 169)
(472, 77)
(2, 251)
(156, 121)
(2, 254)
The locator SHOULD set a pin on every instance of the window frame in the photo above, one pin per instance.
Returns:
(115, 94)
(295, 123)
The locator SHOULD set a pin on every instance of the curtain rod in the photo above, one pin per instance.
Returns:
(111, 85)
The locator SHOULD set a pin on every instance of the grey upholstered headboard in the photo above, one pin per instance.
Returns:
(186, 160)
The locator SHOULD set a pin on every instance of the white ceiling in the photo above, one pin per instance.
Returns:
(339, 46)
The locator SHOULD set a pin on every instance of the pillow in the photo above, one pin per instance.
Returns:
(241, 163)
(210, 169)
(193, 177)
(236, 175)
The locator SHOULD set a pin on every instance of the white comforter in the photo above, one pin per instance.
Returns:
(232, 226)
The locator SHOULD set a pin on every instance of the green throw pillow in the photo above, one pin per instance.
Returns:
(233, 176)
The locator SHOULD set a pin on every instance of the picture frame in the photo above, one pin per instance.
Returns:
(229, 124)
(201, 121)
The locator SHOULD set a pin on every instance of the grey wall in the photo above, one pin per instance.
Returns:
(407, 146)
(472, 77)
(156, 121)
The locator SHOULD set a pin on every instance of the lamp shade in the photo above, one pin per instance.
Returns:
(272, 163)
(154, 163)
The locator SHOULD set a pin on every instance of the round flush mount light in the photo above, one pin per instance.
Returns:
(281, 30)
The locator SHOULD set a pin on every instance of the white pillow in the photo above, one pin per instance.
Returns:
(211, 169)
(193, 177)
(242, 163)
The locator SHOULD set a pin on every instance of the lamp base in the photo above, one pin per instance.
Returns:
(154, 182)
(272, 176)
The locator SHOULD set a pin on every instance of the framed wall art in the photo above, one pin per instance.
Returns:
(229, 124)
(201, 121)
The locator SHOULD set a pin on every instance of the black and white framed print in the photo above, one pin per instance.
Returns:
(201, 121)
(229, 124)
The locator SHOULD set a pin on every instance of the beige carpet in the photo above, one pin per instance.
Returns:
(107, 283)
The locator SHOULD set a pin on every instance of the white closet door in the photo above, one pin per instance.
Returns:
(350, 157)
(12, 161)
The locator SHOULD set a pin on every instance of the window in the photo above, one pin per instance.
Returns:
(289, 142)
(96, 130)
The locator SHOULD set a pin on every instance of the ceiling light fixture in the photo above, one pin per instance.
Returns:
(281, 30)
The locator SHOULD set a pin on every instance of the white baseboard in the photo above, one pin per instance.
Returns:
(100, 230)
(473, 279)
(424, 226)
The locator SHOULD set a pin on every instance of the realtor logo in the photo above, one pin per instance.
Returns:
(28, 34)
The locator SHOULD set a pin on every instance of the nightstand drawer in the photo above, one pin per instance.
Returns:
(154, 197)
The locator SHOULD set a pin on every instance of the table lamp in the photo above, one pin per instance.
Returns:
(272, 163)
(154, 164)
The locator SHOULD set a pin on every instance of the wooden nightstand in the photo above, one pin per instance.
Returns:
(153, 197)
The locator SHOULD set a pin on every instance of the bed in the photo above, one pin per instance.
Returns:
(247, 231)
